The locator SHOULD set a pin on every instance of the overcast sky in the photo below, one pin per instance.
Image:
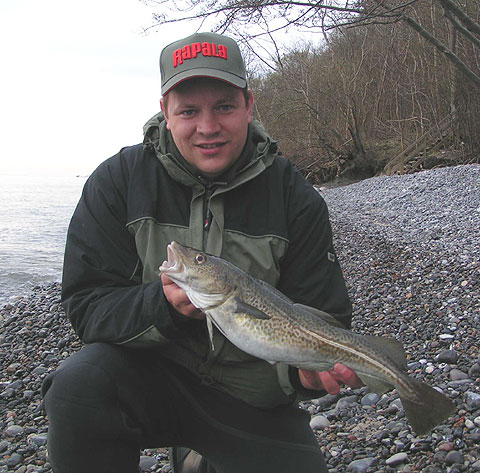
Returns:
(78, 81)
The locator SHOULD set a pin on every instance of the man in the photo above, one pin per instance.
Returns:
(207, 175)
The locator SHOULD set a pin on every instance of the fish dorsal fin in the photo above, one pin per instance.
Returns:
(244, 308)
(273, 290)
(390, 347)
(320, 313)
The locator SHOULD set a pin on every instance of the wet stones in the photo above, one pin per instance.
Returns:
(408, 246)
(423, 291)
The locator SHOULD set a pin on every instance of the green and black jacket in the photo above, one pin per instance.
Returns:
(262, 216)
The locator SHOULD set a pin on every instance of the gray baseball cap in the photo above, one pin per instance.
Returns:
(202, 55)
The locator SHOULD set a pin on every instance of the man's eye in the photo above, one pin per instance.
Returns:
(187, 113)
(226, 108)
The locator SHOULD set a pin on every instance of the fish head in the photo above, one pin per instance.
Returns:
(207, 280)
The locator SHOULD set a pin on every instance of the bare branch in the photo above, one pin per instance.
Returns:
(450, 55)
(461, 29)
(464, 18)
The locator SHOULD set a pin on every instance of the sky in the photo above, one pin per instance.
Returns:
(78, 81)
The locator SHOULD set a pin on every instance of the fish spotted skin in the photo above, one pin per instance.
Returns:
(263, 322)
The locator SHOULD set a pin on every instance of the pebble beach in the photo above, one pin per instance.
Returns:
(409, 247)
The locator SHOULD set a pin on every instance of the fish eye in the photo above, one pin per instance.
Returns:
(200, 259)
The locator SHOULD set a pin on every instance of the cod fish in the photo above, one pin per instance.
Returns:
(263, 322)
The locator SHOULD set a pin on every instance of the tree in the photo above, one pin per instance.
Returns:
(272, 16)
(370, 91)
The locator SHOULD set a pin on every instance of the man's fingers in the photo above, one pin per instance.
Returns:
(319, 380)
(330, 384)
(166, 281)
(179, 299)
(330, 380)
(310, 379)
(345, 375)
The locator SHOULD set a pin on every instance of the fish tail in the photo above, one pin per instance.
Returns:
(431, 409)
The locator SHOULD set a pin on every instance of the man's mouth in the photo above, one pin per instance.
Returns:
(209, 145)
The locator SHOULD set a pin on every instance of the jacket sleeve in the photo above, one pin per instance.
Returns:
(102, 291)
(310, 273)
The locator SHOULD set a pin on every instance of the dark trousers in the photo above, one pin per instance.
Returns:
(106, 402)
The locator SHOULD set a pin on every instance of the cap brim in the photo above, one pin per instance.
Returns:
(224, 76)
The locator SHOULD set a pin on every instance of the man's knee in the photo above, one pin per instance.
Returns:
(89, 429)
(81, 389)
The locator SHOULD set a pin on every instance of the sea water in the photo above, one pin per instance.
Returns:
(34, 215)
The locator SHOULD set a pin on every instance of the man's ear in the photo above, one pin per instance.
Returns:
(250, 105)
(164, 111)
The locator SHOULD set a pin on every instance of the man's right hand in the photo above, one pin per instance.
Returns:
(179, 300)
(330, 380)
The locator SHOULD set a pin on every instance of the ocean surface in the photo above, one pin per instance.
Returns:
(34, 215)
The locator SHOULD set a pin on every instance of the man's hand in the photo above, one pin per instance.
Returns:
(179, 300)
(330, 380)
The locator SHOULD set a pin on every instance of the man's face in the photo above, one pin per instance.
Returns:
(208, 120)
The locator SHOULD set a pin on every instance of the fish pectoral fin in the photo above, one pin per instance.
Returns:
(210, 332)
(375, 384)
(244, 308)
(390, 347)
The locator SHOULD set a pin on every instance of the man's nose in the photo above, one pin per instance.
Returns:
(208, 124)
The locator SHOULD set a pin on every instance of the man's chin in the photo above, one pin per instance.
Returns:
(211, 170)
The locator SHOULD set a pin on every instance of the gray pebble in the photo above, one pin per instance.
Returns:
(370, 399)
(474, 370)
(3, 446)
(319, 422)
(346, 401)
(7, 393)
(13, 367)
(447, 356)
(397, 404)
(472, 399)
(15, 385)
(14, 431)
(397, 459)
(457, 375)
(453, 457)
(326, 401)
(28, 394)
(147, 463)
(40, 370)
(362, 465)
(39, 440)
(14, 460)
(399, 444)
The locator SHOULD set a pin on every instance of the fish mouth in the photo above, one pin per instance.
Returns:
(173, 264)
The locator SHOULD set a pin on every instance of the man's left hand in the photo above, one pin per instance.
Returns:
(331, 380)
